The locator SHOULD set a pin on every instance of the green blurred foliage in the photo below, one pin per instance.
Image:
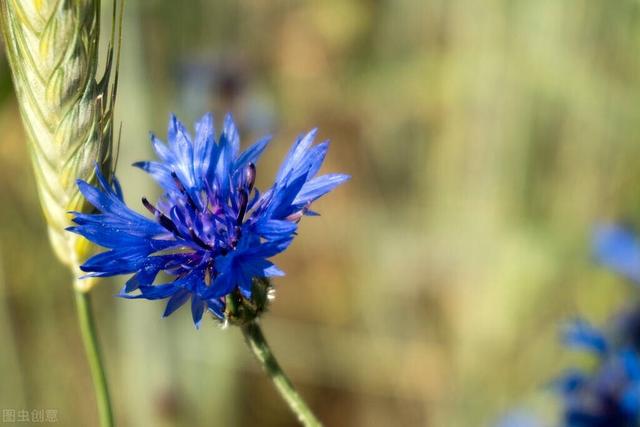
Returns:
(485, 140)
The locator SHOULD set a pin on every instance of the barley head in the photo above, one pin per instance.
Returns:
(53, 47)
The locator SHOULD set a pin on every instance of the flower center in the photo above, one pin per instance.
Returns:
(212, 221)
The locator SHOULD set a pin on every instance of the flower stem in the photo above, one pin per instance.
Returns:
(92, 349)
(258, 345)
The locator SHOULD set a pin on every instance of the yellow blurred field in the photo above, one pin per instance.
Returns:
(484, 140)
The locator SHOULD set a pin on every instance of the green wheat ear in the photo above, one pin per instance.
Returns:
(67, 110)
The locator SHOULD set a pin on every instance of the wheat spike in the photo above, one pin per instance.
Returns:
(52, 47)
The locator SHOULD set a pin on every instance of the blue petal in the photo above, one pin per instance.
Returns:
(284, 197)
(315, 157)
(618, 248)
(197, 309)
(275, 229)
(296, 153)
(205, 148)
(318, 187)
(144, 277)
(252, 154)
(267, 249)
(273, 271)
(109, 223)
(124, 260)
(230, 135)
(160, 173)
(162, 151)
(176, 301)
(102, 200)
(117, 188)
(149, 270)
(216, 307)
(153, 292)
(222, 285)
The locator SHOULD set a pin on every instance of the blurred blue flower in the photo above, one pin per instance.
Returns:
(608, 395)
(519, 418)
(618, 248)
(213, 233)
(580, 334)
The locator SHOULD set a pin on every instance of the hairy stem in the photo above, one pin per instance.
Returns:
(92, 348)
(260, 348)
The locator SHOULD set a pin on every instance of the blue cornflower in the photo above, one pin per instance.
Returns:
(618, 248)
(212, 233)
(608, 395)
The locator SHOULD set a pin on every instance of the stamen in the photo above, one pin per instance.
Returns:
(167, 223)
(182, 190)
(250, 176)
(162, 218)
(197, 239)
(149, 206)
(244, 200)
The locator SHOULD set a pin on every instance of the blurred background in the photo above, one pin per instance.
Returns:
(485, 140)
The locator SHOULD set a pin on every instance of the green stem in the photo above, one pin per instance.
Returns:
(92, 348)
(258, 344)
